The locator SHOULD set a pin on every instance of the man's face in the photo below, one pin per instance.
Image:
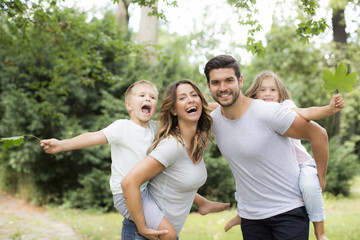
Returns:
(224, 86)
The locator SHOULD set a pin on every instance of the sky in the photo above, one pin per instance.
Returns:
(188, 18)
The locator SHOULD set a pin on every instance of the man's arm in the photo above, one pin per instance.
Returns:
(302, 129)
(84, 140)
(316, 113)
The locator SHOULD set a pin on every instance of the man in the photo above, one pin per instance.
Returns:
(253, 136)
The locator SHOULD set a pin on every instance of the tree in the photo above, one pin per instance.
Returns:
(122, 14)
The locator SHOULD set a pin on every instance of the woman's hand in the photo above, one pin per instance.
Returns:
(152, 234)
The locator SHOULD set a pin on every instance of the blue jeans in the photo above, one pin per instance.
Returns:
(129, 231)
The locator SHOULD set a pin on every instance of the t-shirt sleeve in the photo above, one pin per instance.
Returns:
(166, 151)
(288, 104)
(113, 132)
(282, 118)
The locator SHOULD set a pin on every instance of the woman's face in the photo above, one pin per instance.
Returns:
(268, 90)
(188, 106)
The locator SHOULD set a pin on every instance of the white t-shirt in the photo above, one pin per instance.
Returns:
(129, 145)
(174, 188)
(302, 155)
(263, 161)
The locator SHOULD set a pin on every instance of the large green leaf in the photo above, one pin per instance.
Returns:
(10, 141)
(340, 80)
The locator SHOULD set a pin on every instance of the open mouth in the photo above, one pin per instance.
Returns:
(191, 110)
(146, 109)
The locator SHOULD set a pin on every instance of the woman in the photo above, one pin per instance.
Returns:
(174, 164)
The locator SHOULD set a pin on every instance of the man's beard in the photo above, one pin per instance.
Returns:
(236, 96)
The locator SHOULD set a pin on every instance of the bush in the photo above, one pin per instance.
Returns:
(94, 192)
(220, 184)
(342, 168)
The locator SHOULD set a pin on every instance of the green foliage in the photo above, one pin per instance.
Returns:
(341, 80)
(9, 142)
(220, 184)
(343, 166)
(61, 76)
(93, 193)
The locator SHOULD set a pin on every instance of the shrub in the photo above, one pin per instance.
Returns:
(342, 168)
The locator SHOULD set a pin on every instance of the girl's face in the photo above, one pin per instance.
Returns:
(188, 105)
(268, 90)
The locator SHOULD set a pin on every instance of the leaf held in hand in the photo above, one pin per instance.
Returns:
(340, 80)
(10, 141)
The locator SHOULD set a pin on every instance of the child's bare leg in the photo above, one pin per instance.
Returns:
(166, 225)
(319, 228)
(234, 221)
(205, 206)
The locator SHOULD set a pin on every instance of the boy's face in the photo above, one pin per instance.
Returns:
(142, 104)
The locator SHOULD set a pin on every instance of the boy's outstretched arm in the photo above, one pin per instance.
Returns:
(84, 140)
(205, 206)
(316, 113)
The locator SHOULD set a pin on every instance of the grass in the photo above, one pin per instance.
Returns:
(342, 221)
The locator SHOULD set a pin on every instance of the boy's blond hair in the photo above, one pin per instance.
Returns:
(129, 91)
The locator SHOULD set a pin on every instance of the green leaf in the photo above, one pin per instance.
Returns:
(339, 80)
(9, 142)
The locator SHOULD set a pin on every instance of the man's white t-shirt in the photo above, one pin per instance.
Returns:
(263, 161)
(130, 143)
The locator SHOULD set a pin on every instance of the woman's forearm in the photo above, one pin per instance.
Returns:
(132, 195)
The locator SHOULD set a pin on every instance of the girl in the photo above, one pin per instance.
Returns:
(269, 87)
(174, 164)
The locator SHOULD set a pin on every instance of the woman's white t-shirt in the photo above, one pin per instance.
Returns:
(174, 188)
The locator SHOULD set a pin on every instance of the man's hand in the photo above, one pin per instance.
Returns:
(322, 181)
(152, 234)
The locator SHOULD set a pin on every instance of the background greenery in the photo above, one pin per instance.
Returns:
(61, 75)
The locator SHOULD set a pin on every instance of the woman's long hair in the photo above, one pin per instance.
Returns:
(168, 123)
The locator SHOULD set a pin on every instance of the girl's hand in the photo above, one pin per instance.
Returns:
(336, 103)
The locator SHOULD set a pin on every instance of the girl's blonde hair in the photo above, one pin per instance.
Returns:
(256, 84)
(168, 123)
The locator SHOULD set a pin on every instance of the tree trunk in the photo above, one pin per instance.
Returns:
(339, 37)
(148, 31)
(122, 14)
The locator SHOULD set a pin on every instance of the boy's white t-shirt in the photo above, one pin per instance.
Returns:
(129, 145)
(302, 155)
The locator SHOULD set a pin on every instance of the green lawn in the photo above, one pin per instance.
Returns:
(342, 223)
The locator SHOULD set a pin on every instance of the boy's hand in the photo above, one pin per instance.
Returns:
(50, 145)
(336, 103)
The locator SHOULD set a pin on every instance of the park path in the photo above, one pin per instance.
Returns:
(22, 221)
